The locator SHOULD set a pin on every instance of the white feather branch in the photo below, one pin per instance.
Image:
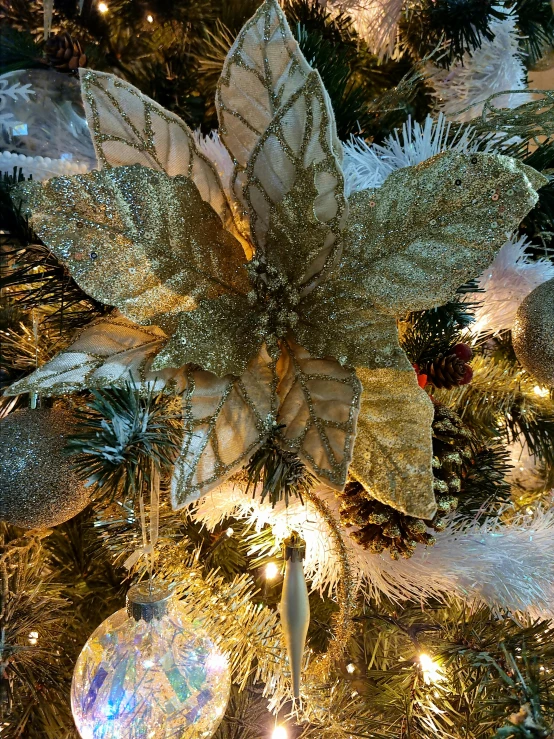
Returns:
(506, 282)
(368, 165)
(496, 66)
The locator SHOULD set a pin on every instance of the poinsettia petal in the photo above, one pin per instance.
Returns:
(393, 450)
(221, 336)
(319, 403)
(109, 352)
(338, 320)
(225, 422)
(294, 157)
(263, 68)
(277, 121)
(137, 239)
(433, 226)
(128, 127)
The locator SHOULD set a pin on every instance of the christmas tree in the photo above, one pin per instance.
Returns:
(277, 307)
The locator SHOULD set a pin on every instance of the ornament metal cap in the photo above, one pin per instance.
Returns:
(148, 600)
(294, 548)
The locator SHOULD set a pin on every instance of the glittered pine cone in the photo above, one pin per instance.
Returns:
(380, 527)
(64, 53)
(446, 372)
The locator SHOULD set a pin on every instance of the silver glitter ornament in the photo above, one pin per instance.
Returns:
(533, 333)
(38, 487)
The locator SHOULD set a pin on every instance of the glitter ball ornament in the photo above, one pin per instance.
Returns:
(149, 672)
(38, 484)
(533, 333)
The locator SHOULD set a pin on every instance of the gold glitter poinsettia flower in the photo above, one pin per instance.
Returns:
(265, 298)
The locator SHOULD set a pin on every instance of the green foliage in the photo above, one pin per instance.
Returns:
(484, 479)
(536, 25)
(461, 24)
(430, 333)
(122, 435)
(18, 50)
(34, 662)
(500, 403)
(280, 473)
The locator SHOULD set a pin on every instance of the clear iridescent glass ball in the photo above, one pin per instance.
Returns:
(149, 672)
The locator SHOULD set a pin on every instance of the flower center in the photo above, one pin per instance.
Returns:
(274, 297)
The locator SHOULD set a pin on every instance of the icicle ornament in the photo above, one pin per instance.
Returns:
(295, 606)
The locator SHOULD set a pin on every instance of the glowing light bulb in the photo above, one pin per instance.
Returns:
(102, 7)
(230, 531)
(271, 571)
(351, 668)
(541, 391)
(279, 732)
(150, 18)
(432, 673)
(33, 638)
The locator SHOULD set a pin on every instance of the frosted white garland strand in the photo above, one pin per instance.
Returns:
(368, 165)
(506, 282)
(40, 168)
(496, 66)
(503, 566)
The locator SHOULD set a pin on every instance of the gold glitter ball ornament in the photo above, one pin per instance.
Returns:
(533, 333)
(38, 486)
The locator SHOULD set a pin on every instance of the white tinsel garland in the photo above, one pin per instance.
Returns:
(506, 566)
(506, 282)
(496, 66)
(368, 165)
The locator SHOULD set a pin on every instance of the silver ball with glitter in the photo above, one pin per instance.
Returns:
(533, 333)
(38, 486)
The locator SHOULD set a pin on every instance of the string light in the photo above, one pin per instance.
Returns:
(279, 732)
(102, 7)
(351, 668)
(271, 571)
(230, 531)
(541, 391)
(33, 638)
(432, 673)
(150, 18)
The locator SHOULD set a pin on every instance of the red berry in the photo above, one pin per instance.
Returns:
(463, 352)
(422, 380)
(468, 376)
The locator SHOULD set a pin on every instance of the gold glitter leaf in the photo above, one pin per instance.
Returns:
(393, 451)
(127, 127)
(137, 239)
(226, 420)
(221, 336)
(109, 352)
(337, 320)
(433, 226)
(319, 403)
